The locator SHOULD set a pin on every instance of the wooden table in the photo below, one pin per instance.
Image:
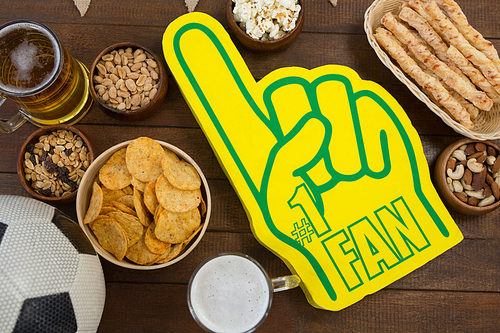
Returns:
(457, 292)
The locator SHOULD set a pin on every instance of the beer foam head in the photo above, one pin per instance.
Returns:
(26, 57)
(230, 293)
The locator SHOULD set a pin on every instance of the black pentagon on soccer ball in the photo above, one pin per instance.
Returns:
(73, 232)
(52, 313)
(3, 228)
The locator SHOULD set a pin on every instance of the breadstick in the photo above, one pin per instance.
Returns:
(475, 75)
(418, 6)
(456, 39)
(409, 66)
(467, 90)
(471, 109)
(475, 38)
(430, 36)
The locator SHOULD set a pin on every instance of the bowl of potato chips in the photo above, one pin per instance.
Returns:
(144, 204)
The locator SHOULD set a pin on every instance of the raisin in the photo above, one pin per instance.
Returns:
(30, 148)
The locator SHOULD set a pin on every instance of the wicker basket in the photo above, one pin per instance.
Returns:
(486, 125)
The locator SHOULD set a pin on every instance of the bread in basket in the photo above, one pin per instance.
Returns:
(487, 123)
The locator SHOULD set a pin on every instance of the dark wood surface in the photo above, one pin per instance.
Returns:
(457, 292)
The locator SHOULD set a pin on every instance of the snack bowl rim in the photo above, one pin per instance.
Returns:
(144, 111)
(258, 45)
(31, 139)
(83, 199)
(442, 187)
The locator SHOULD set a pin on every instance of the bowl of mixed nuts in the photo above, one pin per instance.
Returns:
(128, 81)
(52, 162)
(467, 176)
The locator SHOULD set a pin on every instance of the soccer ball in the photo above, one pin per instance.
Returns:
(51, 279)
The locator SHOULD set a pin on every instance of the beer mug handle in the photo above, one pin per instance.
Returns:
(9, 126)
(285, 282)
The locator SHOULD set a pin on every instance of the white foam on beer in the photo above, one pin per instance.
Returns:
(25, 60)
(22, 57)
(230, 294)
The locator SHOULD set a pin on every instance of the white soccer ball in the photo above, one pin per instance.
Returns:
(51, 279)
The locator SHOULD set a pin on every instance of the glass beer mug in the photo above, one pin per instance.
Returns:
(232, 293)
(47, 84)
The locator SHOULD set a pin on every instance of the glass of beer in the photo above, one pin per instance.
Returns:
(46, 83)
(231, 292)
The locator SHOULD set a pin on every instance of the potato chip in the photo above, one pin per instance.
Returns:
(140, 209)
(143, 158)
(176, 200)
(153, 243)
(111, 236)
(127, 200)
(181, 175)
(123, 208)
(94, 205)
(149, 197)
(111, 195)
(203, 207)
(140, 254)
(186, 242)
(130, 224)
(108, 209)
(158, 211)
(137, 184)
(164, 254)
(170, 155)
(176, 249)
(174, 227)
(174, 252)
(114, 174)
(128, 190)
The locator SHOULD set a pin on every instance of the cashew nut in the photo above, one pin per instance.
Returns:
(476, 194)
(466, 187)
(474, 166)
(449, 181)
(458, 173)
(497, 180)
(486, 201)
(462, 147)
(490, 160)
(457, 186)
(459, 155)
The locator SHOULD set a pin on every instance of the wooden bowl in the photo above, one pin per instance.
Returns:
(440, 175)
(32, 139)
(85, 192)
(141, 112)
(257, 45)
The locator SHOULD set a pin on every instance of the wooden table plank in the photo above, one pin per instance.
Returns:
(346, 18)
(456, 292)
(385, 311)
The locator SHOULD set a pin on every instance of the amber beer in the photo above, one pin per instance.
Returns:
(39, 74)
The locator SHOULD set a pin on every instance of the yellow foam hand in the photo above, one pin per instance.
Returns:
(328, 167)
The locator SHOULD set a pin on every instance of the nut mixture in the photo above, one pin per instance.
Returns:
(56, 164)
(473, 174)
(126, 79)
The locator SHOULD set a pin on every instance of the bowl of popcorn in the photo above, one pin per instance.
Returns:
(53, 161)
(144, 204)
(467, 176)
(128, 81)
(270, 25)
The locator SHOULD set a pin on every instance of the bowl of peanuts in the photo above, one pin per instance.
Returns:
(467, 176)
(53, 161)
(128, 81)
